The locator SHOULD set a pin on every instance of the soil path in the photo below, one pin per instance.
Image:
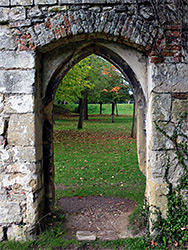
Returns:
(95, 217)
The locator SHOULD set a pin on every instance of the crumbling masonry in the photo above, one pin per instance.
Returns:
(40, 40)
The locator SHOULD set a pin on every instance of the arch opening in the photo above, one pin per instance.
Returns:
(57, 75)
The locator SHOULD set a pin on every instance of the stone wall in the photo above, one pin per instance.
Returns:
(40, 40)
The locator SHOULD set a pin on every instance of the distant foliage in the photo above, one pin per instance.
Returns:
(94, 74)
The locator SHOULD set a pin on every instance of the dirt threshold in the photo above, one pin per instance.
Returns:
(96, 217)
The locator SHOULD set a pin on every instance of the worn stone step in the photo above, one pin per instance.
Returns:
(85, 235)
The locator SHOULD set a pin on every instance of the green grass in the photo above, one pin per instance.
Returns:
(95, 108)
(101, 159)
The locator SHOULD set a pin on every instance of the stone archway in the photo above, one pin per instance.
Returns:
(118, 30)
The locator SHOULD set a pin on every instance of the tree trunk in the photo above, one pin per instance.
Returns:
(100, 108)
(133, 121)
(113, 107)
(116, 109)
(82, 107)
(79, 105)
(86, 105)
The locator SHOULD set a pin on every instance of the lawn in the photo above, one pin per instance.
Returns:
(100, 159)
(94, 109)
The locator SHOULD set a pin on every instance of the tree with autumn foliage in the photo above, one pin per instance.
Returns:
(106, 77)
(116, 87)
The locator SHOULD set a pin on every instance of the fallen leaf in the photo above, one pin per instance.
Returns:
(175, 243)
(151, 243)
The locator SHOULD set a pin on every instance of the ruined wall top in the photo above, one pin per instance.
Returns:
(158, 29)
(164, 11)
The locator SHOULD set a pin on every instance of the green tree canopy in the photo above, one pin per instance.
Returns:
(102, 80)
(75, 82)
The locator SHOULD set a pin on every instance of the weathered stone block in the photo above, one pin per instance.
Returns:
(4, 3)
(19, 104)
(160, 141)
(10, 213)
(21, 130)
(169, 77)
(17, 81)
(43, 2)
(21, 2)
(4, 15)
(6, 39)
(26, 182)
(161, 107)
(159, 161)
(13, 59)
(178, 108)
(35, 12)
(17, 13)
(25, 154)
(23, 168)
